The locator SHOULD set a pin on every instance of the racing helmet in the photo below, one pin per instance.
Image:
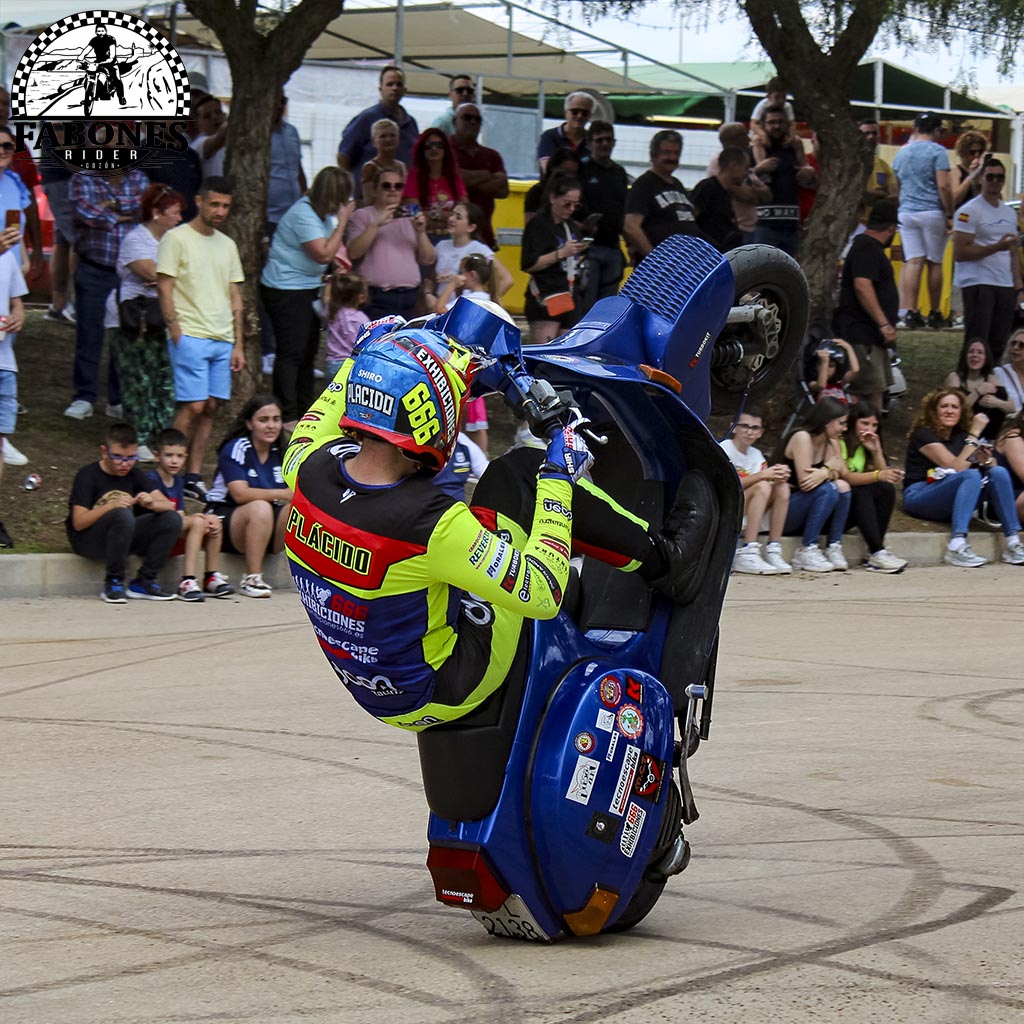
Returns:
(409, 388)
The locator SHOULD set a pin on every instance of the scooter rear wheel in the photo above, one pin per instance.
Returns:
(653, 883)
(772, 279)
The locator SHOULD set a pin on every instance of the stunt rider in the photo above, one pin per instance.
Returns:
(417, 601)
(103, 49)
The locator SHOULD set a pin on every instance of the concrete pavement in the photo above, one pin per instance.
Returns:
(199, 825)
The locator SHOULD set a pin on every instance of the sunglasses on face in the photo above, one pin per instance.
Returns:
(464, 90)
(7, 147)
(436, 144)
(390, 186)
(124, 459)
(1016, 344)
(752, 427)
(995, 177)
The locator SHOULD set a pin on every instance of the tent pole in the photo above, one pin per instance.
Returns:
(879, 88)
(400, 32)
(540, 107)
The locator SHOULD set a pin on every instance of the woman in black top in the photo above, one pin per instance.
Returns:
(944, 476)
(551, 255)
(975, 377)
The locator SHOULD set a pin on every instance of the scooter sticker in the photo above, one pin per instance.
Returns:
(649, 777)
(624, 786)
(613, 743)
(583, 779)
(603, 826)
(611, 692)
(630, 721)
(605, 720)
(631, 829)
(634, 691)
(584, 742)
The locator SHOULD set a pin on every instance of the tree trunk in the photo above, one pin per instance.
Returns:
(262, 57)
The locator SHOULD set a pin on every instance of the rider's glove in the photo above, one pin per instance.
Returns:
(568, 456)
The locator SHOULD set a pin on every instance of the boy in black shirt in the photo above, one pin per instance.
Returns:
(112, 512)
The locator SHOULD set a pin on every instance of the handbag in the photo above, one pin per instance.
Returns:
(557, 304)
(140, 314)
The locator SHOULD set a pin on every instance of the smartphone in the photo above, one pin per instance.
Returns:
(408, 209)
(13, 219)
(586, 239)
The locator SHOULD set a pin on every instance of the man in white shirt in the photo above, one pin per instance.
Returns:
(986, 266)
(764, 487)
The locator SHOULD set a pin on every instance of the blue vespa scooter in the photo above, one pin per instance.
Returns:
(559, 805)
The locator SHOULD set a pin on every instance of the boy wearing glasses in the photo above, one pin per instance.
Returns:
(985, 259)
(113, 513)
(765, 488)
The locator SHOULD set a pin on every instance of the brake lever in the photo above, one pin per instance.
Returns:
(591, 436)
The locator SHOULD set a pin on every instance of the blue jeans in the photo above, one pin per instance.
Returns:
(784, 235)
(92, 286)
(953, 498)
(810, 509)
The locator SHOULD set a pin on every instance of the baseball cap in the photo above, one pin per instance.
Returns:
(884, 213)
(927, 122)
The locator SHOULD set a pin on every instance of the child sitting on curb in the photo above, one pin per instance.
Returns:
(199, 531)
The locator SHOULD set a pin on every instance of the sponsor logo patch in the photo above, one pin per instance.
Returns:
(583, 778)
(624, 784)
(605, 720)
(632, 826)
(610, 692)
(603, 827)
(613, 743)
(584, 742)
(650, 775)
(634, 691)
(630, 721)
(553, 505)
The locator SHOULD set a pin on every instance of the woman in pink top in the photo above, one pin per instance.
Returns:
(434, 181)
(387, 248)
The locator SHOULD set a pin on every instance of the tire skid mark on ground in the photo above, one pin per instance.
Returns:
(474, 972)
(925, 887)
(401, 741)
(118, 659)
(972, 703)
(398, 780)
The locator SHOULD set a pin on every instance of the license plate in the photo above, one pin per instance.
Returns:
(512, 920)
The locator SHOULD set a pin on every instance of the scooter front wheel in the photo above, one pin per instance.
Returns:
(751, 357)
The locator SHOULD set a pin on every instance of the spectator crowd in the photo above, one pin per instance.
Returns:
(404, 225)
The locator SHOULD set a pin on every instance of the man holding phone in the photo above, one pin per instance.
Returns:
(605, 184)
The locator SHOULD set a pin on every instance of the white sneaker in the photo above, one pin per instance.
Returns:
(115, 412)
(965, 558)
(886, 561)
(748, 560)
(79, 409)
(12, 457)
(834, 553)
(146, 454)
(1013, 554)
(810, 559)
(773, 556)
(254, 586)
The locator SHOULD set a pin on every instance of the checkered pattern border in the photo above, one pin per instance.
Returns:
(111, 19)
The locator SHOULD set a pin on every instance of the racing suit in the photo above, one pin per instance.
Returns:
(417, 602)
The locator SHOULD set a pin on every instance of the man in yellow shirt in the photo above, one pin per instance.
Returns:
(198, 276)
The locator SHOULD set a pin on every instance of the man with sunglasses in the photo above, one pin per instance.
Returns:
(482, 168)
(881, 183)
(357, 146)
(986, 266)
(460, 90)
(571, 133)
(114, 513)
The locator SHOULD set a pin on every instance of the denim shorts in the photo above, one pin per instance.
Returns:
(202, 368)
(8, 401)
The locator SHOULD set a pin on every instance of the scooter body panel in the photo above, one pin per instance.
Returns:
(597, 786)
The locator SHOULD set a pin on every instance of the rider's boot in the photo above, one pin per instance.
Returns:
(686, 539)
